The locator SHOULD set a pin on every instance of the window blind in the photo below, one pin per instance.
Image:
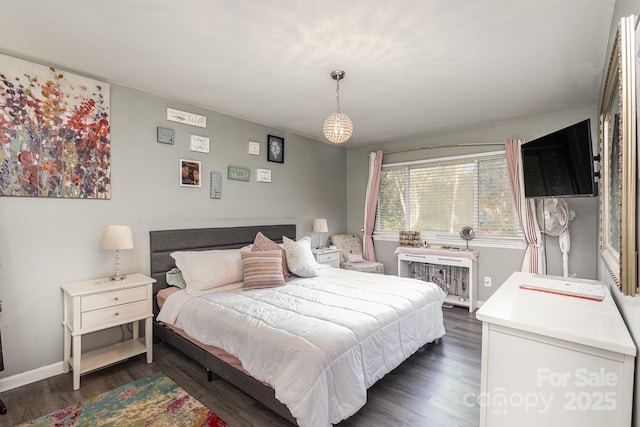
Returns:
(444, 196)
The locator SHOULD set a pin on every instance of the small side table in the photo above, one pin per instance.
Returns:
(94, 305)
(327, 256)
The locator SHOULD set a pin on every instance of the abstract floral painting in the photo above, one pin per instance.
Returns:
(54, 133)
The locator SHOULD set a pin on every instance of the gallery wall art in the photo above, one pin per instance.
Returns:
(54, 133)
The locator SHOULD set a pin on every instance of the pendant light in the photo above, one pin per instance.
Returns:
(338, 126)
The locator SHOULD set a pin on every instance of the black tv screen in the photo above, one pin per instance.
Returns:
(560, 164)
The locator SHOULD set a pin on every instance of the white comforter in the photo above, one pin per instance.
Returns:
(320, 342)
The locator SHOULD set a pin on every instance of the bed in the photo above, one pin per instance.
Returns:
(308, 319)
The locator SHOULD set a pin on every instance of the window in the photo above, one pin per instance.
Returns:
(443, 195)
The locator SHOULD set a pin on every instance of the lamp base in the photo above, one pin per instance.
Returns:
(118, 276)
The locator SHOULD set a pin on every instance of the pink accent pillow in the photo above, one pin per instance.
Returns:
(262, 269)
(263, 243)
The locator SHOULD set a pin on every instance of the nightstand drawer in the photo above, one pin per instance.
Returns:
(113, 298)
(113, 314)
(324, 258)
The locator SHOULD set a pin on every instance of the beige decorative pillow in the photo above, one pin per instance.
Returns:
(300, 259)
(263, 243)
(262, 269)
(354, 257)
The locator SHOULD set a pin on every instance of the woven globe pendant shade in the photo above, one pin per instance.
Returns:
(338, 128)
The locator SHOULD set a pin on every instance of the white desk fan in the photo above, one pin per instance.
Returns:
(553, 218)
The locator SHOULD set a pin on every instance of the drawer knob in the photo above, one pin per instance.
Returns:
(116, 314)
(116, 298)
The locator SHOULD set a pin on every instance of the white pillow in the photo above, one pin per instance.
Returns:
(300, 259)
(203, 270)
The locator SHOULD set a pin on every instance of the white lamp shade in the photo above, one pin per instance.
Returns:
(117, 237)
(320, 225)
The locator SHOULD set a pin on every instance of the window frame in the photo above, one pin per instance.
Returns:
(454, 239)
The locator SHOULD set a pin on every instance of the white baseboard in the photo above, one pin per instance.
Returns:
(29, 377)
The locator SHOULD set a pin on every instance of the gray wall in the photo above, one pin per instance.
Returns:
(47, 242)
(629, 307)
(493, 262)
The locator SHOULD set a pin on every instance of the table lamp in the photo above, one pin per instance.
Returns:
(320, 226)
(117, 237)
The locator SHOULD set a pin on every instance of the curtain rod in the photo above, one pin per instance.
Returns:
(431, 147)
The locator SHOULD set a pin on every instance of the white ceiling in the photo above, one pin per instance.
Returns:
(412, 66)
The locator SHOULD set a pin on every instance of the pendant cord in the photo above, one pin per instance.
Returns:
(338, 93)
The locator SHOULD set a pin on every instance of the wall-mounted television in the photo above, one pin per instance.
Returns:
(560, 164)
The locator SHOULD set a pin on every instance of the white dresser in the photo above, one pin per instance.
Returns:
(94, 305)
(553, 360)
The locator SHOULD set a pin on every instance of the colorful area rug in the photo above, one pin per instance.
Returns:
(151, 401)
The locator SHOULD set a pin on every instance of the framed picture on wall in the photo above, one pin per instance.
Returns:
(618, 246)
(254, 148)
(190, 173)
(275, 149)
(71, 115)
(216, 185)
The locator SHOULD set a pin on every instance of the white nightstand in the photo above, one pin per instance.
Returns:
(94, 305)
(327, 256)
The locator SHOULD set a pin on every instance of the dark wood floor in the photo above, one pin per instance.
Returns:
(428, 389)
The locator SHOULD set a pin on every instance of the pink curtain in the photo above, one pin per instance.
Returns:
(533, 261)
(370, 204)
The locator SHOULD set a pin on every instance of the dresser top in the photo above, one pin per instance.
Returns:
(592, 323)
(104, 284)
(462, 253)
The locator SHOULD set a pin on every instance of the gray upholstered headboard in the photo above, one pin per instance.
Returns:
(164, 242)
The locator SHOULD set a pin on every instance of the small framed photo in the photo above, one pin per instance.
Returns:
(190, 173)
(275, 149)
